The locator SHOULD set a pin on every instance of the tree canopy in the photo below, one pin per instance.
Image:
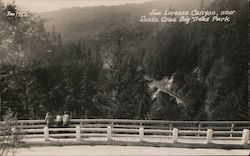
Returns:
(101, 66)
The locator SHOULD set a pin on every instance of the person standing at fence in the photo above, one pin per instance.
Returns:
(66, 119)
(59, 120)
(49, 119)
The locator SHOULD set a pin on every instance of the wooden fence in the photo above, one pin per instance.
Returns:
(224, 132)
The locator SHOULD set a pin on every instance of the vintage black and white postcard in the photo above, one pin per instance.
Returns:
(124, 72)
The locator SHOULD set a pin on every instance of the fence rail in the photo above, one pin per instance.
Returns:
(205, 132)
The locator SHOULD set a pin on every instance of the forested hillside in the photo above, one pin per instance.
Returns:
(98, 62)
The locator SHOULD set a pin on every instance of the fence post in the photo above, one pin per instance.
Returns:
(78, 133)
(209, 136)
(175, 135)
(232, 128)
(199, 128)
(21, 125)
(46, 133)
(109, 135)
(245, 136)
(170, 128)
(141, 134)
(13, 130)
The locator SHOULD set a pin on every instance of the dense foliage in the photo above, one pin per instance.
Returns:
(102, 62)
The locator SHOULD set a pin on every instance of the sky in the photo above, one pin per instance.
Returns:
(51, 5)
